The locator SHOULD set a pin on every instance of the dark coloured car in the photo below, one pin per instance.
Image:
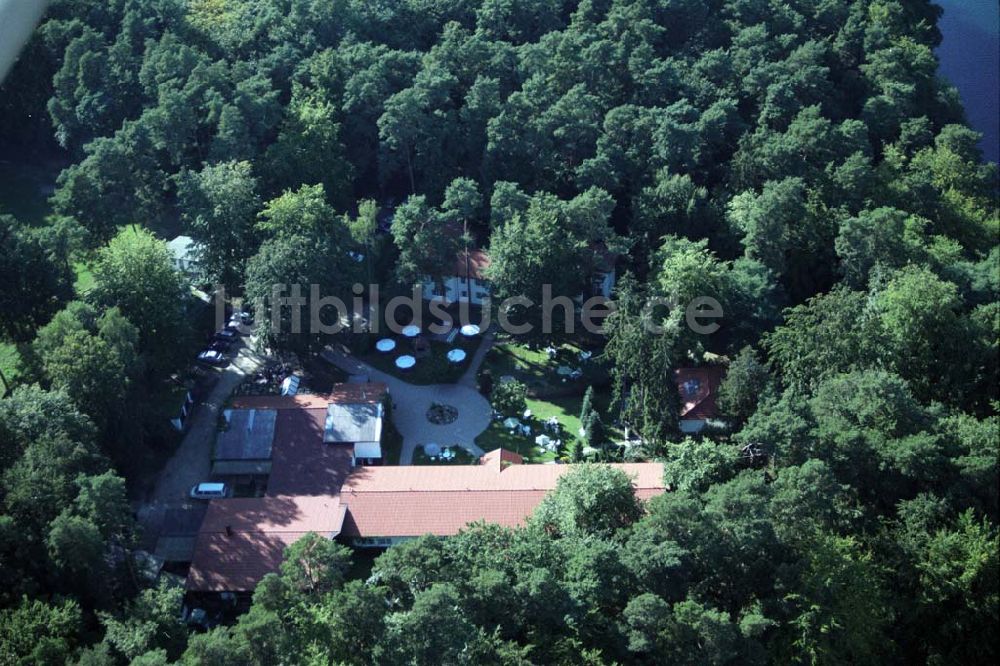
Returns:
(212, 357)
(227, 335)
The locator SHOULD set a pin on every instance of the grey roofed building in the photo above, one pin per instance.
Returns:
(351, 423)
(359, 424)
(183, 253)
(244, 447)
(179, 532)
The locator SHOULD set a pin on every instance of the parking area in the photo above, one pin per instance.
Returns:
(191, 462)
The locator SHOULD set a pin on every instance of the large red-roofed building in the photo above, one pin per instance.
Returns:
(241, 540)
(316, 485)
(386, 505)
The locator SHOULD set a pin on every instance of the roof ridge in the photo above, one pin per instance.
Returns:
(454, 490)
(481, 490)
(235, 531)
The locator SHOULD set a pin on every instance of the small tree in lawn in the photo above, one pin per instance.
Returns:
(509, 398)
(594, 432)
(588, 405)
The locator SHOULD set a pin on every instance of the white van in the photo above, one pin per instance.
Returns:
(207, 491)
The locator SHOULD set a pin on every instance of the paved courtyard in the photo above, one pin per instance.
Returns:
(191, 463)
(411, 402)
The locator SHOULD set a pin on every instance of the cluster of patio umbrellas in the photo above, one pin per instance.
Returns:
(406, 361)
(547, 443)
(433, 450)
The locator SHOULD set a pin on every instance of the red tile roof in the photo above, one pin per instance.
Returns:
(301, 463)
(280, 402)
(501, 458)
(315, 513)
(414, 500)
(306, 475)
(242, 540)
(236, 564)
(340, 394)
(479, 261)
(422, 478)
(345, 394)
(412, 513)
(699, 388)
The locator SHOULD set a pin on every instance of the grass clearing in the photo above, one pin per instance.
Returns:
(496, 436)
(539, 371)
(566, 409)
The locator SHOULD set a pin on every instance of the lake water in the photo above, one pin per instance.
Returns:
(970, 59)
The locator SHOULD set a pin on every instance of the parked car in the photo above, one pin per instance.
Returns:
(244, 318)
(207, 491)
(212, 357)
(220, 345)
(227, 334)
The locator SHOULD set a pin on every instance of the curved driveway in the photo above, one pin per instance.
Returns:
(411, 402)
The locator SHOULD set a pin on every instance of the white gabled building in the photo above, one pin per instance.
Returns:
(184, 254)
(466, 281)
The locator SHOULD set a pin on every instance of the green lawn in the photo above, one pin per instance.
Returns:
(21, 195)
(83, 268)
(565, 409)
(537, 371)
(496, 436)
(431, 369)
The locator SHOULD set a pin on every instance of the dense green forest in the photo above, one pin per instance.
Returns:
(799, 161)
